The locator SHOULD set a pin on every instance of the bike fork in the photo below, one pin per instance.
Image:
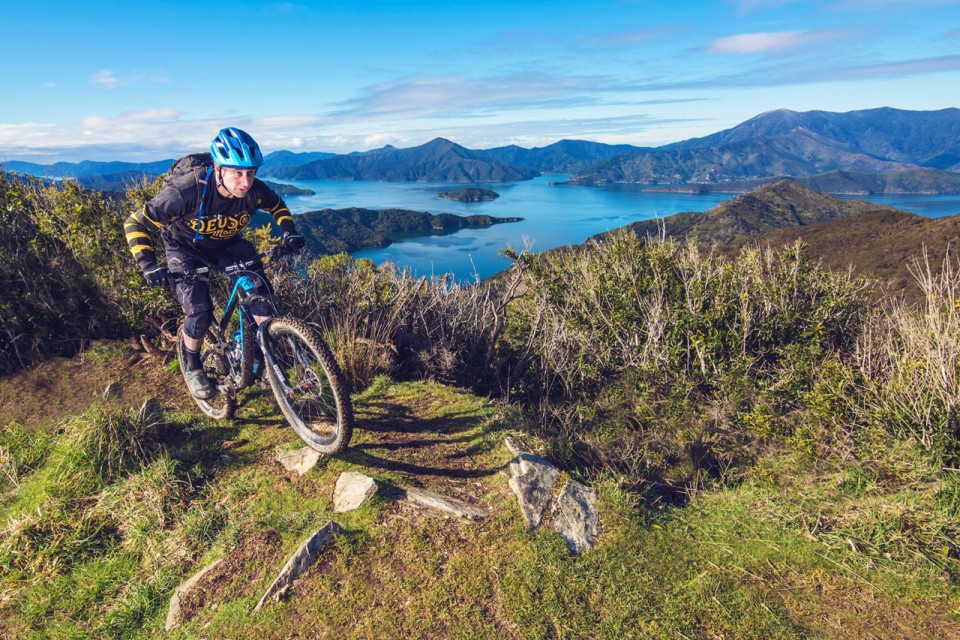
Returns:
(270, 361)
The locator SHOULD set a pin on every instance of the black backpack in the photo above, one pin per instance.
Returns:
(196, 163)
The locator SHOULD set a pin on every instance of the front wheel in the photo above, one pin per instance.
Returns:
(308, 385)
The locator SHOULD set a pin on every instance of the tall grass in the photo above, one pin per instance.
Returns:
(383, 320)
(656, 359)
(908, 361)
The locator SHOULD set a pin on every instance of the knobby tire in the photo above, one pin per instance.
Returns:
(318, 405)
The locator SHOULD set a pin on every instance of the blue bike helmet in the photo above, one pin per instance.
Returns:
(235, 149)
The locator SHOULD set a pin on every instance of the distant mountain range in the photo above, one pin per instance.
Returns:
(872, 151)
(789, 144)
(436, 161)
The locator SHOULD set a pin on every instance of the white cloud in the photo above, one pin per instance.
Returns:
(767, 43)
(105, 79)
(149, 135)
(453, 95)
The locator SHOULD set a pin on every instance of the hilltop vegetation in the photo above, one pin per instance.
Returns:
(757, 414)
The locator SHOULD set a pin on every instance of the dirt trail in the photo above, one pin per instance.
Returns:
(46, 394)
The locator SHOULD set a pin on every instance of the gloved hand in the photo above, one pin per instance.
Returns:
(156, 276)
(293, 241)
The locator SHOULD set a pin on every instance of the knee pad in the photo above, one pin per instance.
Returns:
(196, 325)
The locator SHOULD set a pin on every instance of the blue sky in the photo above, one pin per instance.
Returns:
(153, 80)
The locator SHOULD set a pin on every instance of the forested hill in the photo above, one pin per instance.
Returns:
(776, 206)
(330, 231)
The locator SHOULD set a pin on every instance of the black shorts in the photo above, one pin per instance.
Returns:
(194, 298)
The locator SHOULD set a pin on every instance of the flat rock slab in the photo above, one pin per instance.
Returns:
(352, 491)
(575, 516)
(174, 613)
(532, 480)
(452, 506)
(301, 560)
(299, 460)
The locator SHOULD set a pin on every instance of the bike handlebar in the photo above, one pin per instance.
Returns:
(242, 265)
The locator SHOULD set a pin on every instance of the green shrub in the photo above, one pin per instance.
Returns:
(658, 360)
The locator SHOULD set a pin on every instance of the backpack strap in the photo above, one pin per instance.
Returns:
(197, 236)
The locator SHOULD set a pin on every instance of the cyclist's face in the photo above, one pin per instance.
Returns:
(238, 181)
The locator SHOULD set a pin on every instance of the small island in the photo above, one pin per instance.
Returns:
(288, 189)
(470, 194)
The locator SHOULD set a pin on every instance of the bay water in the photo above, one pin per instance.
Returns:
(554, 215)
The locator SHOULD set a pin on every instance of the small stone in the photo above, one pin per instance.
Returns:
(452, 506)
(174, 614)
(532, 481)
(301, 560)
(514, 446)
(575, 516)
(299, 460)
(353, 490)
(112, 391)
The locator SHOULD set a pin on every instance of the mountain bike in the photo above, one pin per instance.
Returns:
(299, 366)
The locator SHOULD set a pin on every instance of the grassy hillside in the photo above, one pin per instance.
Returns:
(883, 244)
(775, 456)
(110, 512)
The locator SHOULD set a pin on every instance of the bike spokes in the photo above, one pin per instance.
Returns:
(308, 386)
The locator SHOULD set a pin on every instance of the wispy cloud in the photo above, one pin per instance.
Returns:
(453, 95)
(150, 135)
(780, 75)
(535, 133)
(105, 78)
(631, 38)
(898, 69)
(769, 42)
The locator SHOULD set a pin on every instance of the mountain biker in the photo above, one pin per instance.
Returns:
(200, 223)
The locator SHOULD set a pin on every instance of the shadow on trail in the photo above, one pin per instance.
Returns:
(376, 462)
(441, 446)
(397, 418)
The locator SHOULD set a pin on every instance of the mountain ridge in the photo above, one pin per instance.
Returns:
(769, 146)
(786, 143)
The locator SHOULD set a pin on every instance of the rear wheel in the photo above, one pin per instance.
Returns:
(214, 357)
(308, 385)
